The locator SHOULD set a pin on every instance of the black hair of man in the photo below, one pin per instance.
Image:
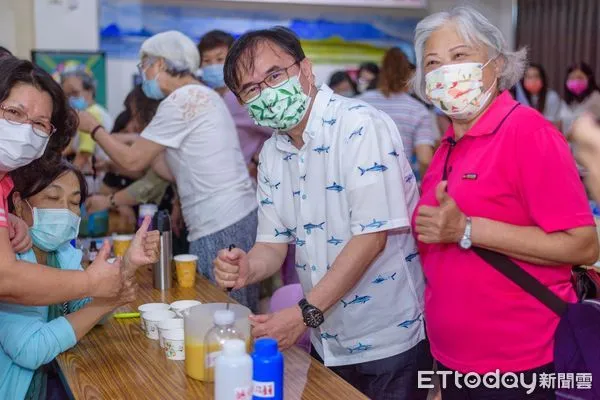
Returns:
(214, 39)
(242, 54)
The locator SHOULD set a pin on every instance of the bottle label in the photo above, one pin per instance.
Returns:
(243, 393)
(92, 256)
(264, 390)
(211, 359)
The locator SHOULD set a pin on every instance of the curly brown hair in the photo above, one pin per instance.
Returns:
(395, 72)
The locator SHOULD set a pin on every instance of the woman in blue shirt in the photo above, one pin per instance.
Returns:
(30, 336)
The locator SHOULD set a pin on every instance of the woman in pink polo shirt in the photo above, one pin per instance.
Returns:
(503, 179)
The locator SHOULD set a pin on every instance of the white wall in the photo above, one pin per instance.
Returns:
(66, 25)
(17, 26)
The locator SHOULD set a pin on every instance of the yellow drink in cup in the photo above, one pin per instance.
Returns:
(121, 244)
(185, 266)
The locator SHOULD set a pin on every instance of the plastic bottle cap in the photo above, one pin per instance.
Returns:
(224, 317)
(265, 347)
(234, 347)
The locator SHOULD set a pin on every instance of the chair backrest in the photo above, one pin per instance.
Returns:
(288, 296)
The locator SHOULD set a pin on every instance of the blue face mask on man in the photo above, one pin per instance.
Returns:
(213, 76)
(151, 88)
(53, 227)
(79, 103)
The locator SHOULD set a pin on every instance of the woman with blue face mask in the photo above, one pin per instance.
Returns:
(33, 336)
(36, 122)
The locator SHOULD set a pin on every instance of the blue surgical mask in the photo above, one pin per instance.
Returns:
(212, 75)
(53, 227)
(78, 103)
(151, 88)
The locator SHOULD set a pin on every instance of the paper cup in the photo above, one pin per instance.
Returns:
(149, 307)
(152, 319)
(111, 260)
(168, 325)
(121, 244)
(174, 344)
(185, 265)
(181, 305)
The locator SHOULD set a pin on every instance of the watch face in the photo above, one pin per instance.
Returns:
(465, 243)
(313, 317)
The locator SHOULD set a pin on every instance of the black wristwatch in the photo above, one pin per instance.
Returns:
(313, 317)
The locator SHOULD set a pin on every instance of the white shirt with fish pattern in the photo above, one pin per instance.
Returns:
(350, 178)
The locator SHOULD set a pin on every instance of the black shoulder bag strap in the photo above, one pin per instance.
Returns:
(518, 275)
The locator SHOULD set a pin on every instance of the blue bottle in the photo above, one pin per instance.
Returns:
(268, 370)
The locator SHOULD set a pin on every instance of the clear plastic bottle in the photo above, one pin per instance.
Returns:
(223, 330)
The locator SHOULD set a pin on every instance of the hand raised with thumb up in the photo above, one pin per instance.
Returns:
(443, 224)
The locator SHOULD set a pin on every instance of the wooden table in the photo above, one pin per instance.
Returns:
(117, 361)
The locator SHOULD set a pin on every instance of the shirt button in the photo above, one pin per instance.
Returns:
(303, 197)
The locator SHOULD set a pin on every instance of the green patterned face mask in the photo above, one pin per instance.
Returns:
(280, 108)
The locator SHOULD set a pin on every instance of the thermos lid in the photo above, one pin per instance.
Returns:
(265, 347)
(162, 221)
(224, 317)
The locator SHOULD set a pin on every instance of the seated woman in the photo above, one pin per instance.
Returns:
(33, 336)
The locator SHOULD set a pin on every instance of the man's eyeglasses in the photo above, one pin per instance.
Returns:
(17, 116)
(273, 80)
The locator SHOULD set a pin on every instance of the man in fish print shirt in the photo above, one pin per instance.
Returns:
(335, 182)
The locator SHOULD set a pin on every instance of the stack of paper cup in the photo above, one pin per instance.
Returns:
(166, 326)
(152, 319)
(174, 344)
(150, 307)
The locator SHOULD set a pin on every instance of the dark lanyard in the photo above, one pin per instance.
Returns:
(452, 143)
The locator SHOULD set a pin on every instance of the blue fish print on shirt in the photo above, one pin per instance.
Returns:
(296, 193)
(411, 257)
(359, 347)
(335, 187)
(303, 177)
(394, 153)
(310, 227)
(331, 100)
(329, 122)
(288, 156)
(328, 267)
(328, 336)
(275, 185)
(288, 232)
(357, 300)
(322, 149)
(266, 180)
(356, 107)
(375, 225)
(266, 201)
(334, 241)
(357, 132)
(409, 322)
(381, 279)
(409, 178)
(375, 168)
(300, 242)
(302, 267)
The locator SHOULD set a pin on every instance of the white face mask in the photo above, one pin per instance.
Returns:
(457, 89)
(19, 145)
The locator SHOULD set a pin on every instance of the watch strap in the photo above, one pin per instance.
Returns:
(303, 304)
(468, 229)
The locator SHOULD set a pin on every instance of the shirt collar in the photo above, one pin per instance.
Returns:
(491, 118)
(314, 123)
(7, 185)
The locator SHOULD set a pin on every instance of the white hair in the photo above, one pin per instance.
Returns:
(476, 30)
(177, 49)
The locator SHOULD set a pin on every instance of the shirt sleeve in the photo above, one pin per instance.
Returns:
(29, 341)
(270, 228)
(425, 134)
(549, 182)
(178, 115)
(375, 173)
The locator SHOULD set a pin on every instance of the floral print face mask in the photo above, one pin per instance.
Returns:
(281, 108)
(457, 89)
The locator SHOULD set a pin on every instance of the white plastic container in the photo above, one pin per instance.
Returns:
(233, 372)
